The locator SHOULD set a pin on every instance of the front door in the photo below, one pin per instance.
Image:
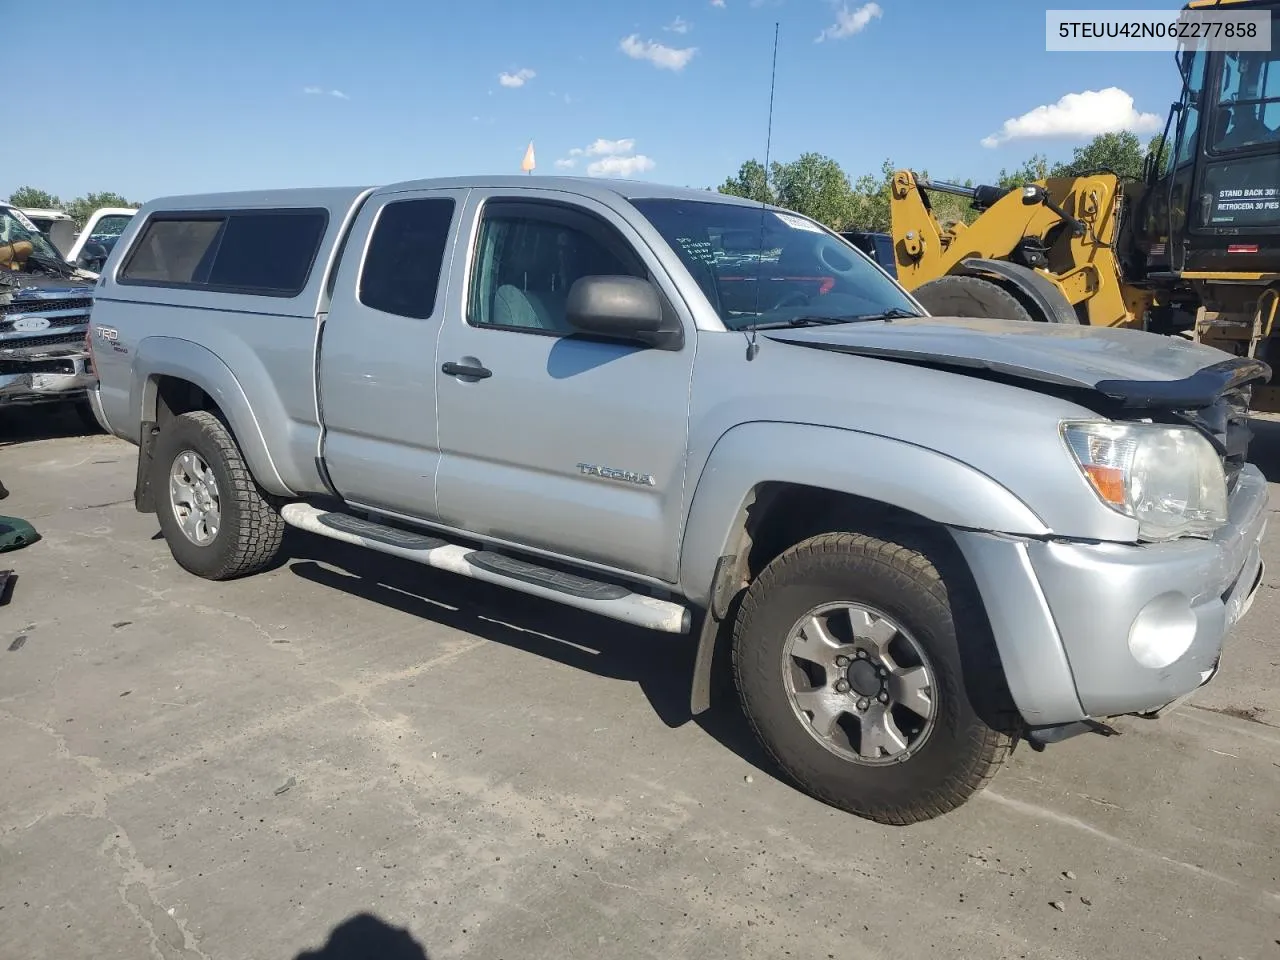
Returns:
(548, 439)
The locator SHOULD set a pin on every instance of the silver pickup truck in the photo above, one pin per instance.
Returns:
(926, 539)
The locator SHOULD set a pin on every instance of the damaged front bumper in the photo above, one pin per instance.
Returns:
(45, 381)
(1089, 631)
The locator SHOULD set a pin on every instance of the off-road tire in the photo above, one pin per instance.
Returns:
(959, 296)
(975, 725)
(251, 530)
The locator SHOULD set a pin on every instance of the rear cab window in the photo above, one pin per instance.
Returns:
(260, 252)
(401, 270)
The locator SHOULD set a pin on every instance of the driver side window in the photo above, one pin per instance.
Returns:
(527, 258)
(1192, 105)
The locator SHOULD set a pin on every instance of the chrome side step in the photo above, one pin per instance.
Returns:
(606, 599)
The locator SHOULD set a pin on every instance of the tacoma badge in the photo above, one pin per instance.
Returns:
(612, 473)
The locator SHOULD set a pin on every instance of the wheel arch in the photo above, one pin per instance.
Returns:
(760, 472)
(172, 377)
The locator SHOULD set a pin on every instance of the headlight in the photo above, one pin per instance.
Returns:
(1169, 479)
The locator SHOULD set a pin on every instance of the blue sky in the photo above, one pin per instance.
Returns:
(152, 97)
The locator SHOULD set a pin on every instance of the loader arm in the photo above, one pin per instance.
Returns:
(1064, 230)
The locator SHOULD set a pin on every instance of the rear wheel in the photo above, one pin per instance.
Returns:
(216, 520)
(870, 681)
(957, 296)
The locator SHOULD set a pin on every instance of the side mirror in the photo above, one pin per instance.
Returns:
(621, 308)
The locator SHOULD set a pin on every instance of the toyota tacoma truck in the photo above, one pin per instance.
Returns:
(924, 539)
(44, 320)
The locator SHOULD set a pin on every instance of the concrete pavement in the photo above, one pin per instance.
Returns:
(352, 751)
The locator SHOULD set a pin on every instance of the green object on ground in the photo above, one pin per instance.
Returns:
(16, 534)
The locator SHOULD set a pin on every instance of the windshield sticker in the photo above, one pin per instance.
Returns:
(22, 219)
(798, 223)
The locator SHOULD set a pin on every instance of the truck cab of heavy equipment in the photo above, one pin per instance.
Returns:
(1211, 200)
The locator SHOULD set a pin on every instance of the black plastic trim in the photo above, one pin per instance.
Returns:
(144, 499)
(557, 580)
(1201, 389)
(391, 536)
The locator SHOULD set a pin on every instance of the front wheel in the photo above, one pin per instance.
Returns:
(217, 522)
(874, 686)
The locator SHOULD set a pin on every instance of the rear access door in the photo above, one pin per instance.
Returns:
(377, 352)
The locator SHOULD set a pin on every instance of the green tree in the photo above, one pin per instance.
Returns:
(1034, 168)
(30, 197)
(871, 199)
(1121, 153)
(751, 182)
(1158, 151)
(816, 186)
(81, 208)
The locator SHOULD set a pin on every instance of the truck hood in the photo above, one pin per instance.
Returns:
(1131, 367)
(32, 288)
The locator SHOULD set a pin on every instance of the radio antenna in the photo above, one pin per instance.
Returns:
(753, 346)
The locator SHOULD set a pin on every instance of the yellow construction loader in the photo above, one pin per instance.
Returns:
(1191, 249)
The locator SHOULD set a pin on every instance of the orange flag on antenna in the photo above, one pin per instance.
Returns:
(527, 163)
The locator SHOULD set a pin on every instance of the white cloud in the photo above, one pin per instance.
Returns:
(848, 22)
(718, 3)
(679, 25)
(517, 79)
(321, 91)
(620, 166)
(661, 56)
(1077, 116)
(615, 158)
(609, 148)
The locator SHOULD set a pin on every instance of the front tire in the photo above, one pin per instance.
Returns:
(872, 683)
(216, 520)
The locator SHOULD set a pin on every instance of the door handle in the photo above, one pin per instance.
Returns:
(465, 370)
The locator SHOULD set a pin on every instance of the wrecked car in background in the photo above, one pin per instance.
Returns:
(103, 228)
(44, 315)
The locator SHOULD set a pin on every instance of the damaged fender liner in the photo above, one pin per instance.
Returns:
(1202, 389)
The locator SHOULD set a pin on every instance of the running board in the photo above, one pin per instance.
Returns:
(594, 596)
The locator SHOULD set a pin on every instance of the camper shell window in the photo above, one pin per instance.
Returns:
(261, 252)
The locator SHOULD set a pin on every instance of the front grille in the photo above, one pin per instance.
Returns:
(37, 366)
(81, 304)
(27, 343)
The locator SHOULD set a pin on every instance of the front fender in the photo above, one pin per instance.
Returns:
(170, 356)
(877, 468)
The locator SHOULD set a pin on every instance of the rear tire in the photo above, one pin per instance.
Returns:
(216, 520)
(908, 715)
(960, 296)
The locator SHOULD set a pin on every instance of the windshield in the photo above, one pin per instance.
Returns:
(16, 226)
(1248, 101)
(765, 266)
(108, 229)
